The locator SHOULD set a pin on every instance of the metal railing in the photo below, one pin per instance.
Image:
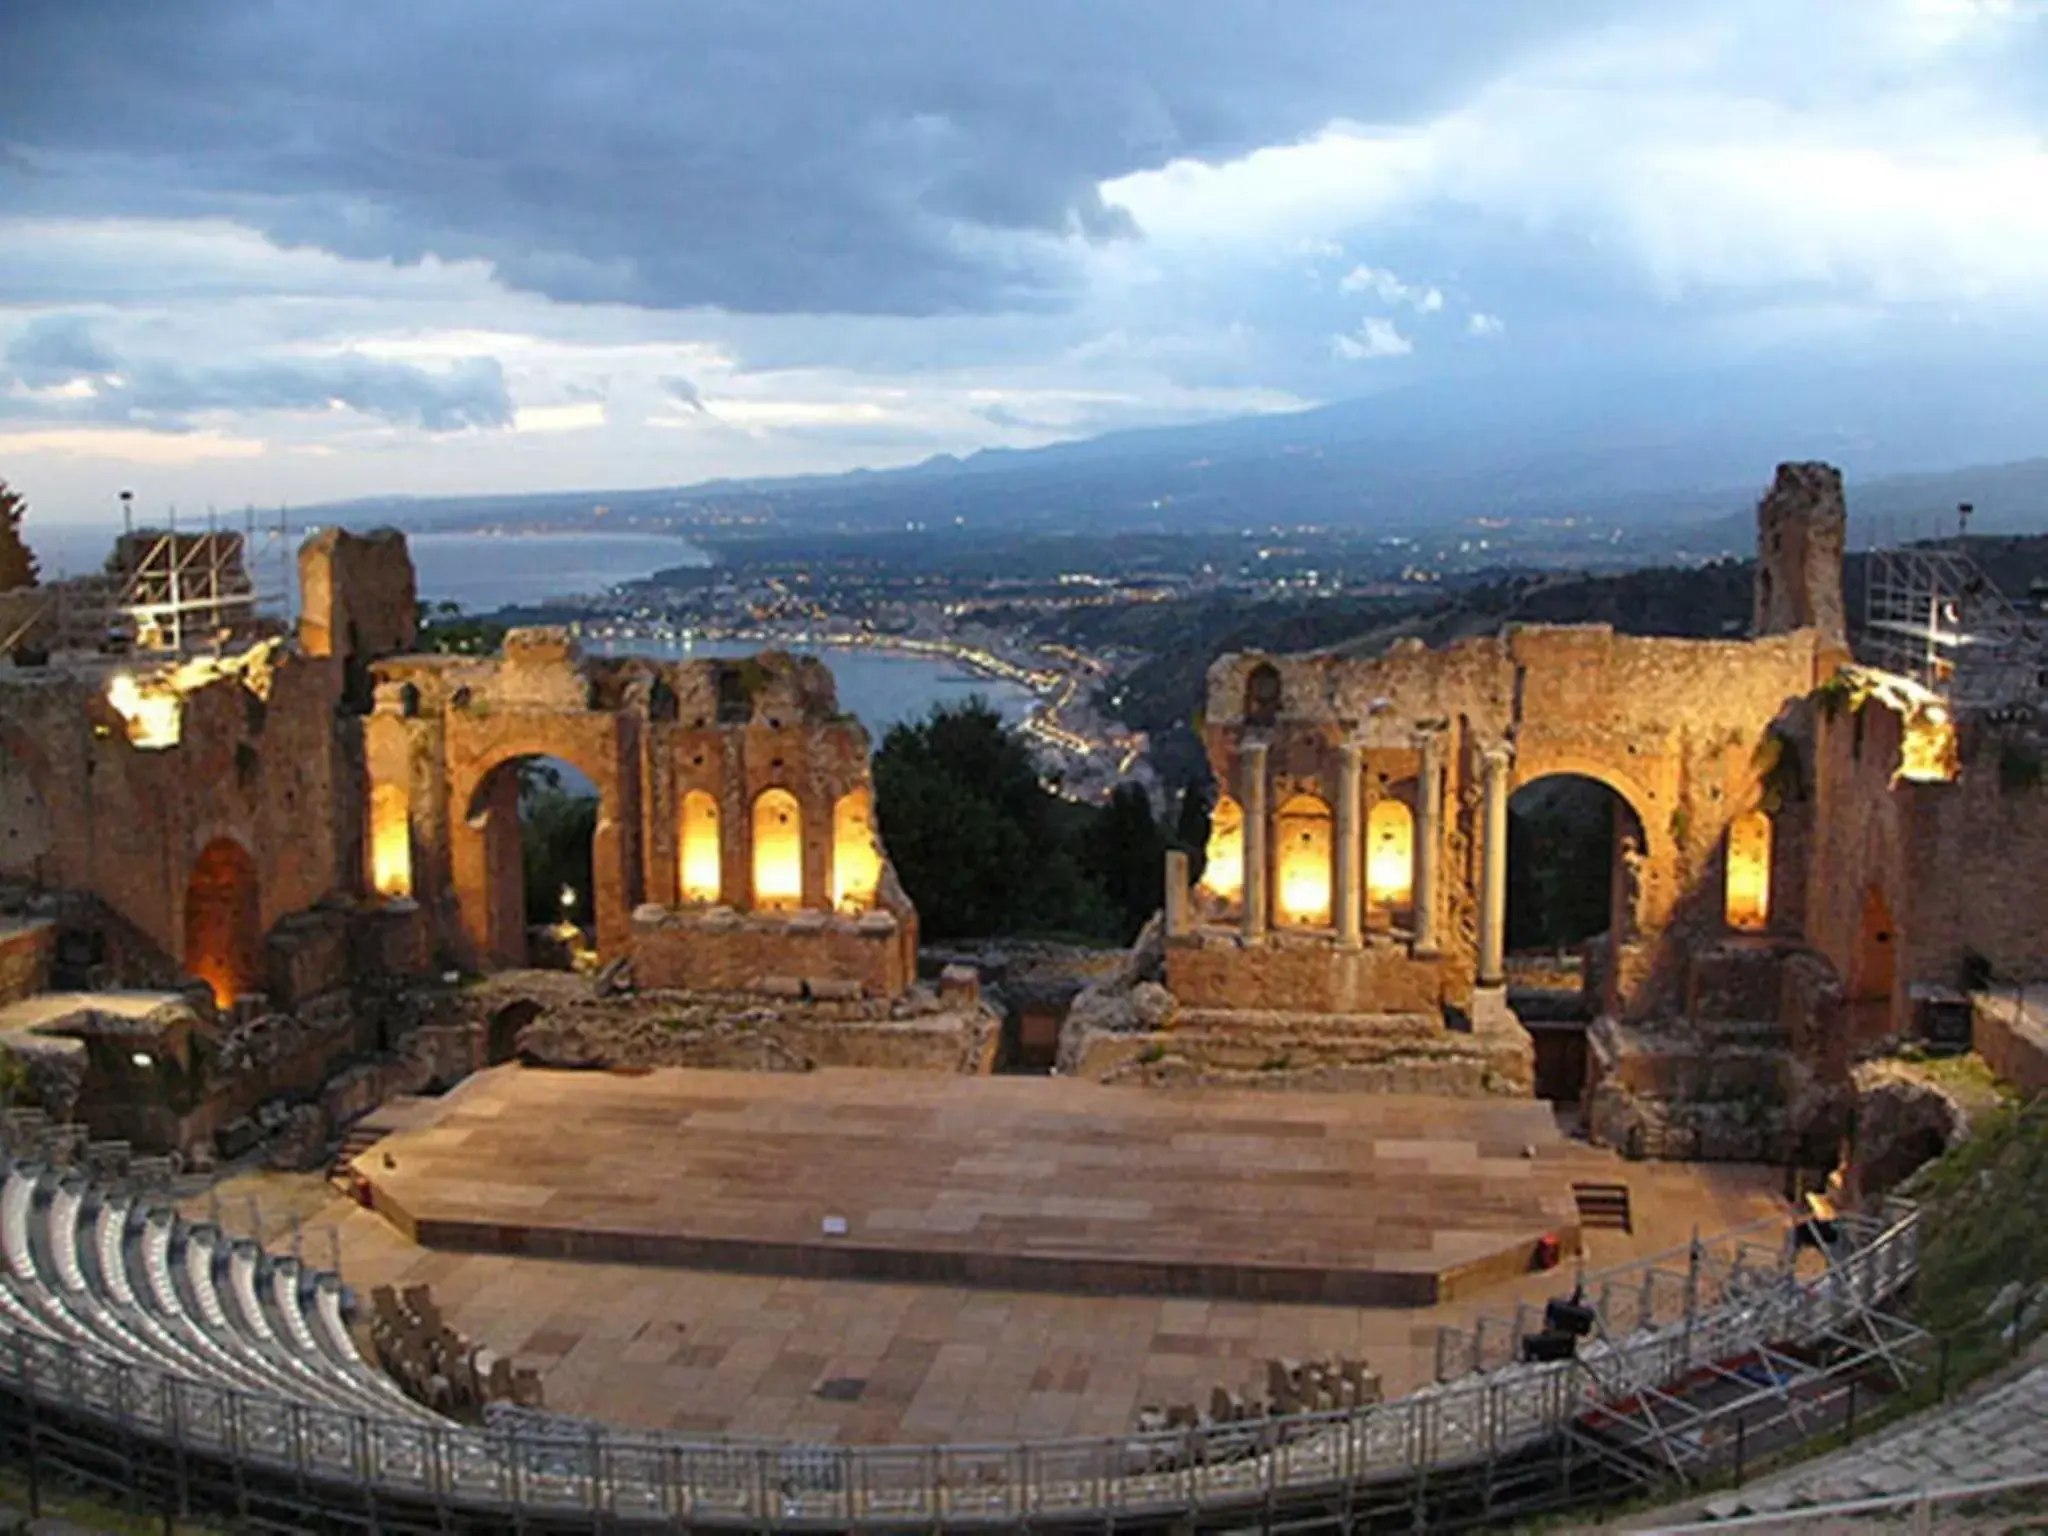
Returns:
(614, 1475)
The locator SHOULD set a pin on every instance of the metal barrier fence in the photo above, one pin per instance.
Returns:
(597, 1476)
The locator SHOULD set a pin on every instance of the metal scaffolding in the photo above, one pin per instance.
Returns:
(1931, 613)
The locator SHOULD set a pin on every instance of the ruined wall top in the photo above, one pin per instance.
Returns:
(358, 598)
(1801, 528)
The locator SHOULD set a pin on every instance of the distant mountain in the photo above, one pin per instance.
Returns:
(1673, 449)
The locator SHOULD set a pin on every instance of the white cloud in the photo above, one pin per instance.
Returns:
(1390, 289)
(131, 445)
(1479, 323)
(1376, 337)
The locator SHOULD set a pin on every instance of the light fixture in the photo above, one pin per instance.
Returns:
(143, 1060)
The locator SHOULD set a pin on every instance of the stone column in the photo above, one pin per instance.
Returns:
(1251, 761)
(1493, 888)
(1429, 811)
(1176, 892)
(1350, 895)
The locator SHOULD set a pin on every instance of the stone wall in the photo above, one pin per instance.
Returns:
(2013, 1040)
(1301, 975)
(26, 949)
(721, 950)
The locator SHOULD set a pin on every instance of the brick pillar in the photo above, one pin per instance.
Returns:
(1349, 894)
(1251, 795)
(1429, 813)
(1493, 890)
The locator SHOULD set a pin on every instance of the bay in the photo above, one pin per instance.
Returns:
(486, 571)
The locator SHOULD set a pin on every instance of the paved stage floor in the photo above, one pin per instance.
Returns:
(1025, 1183)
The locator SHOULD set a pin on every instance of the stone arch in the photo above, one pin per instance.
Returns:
(1577, 842)
(856, 855)
(1264, 696)
(224, 921)
(1304, 841)
(505, 1024)
(1223, 866)
(1389, 857)
(777, 861)
(28, 827)
(703, 848)
(1746, 872)
(489, 872)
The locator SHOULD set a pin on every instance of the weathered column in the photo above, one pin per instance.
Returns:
(1350, 902)
(1493, 888)
(1176, 892)
(1251, 794)
(1429, 810)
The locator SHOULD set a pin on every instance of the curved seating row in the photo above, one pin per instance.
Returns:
(88, 1266)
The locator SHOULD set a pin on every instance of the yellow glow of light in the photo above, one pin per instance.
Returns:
(778, 852)
(1927, 747)
(1304, 837)
(1389, 855)
(1223, 869)
(703, 866)
(856, 860)
(153, 715)
(390, 841)
(1748, 900)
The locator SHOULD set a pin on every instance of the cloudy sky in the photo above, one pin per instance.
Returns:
(291, 250)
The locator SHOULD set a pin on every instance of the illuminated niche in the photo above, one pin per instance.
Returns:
(1747, 903)
(1223, 865)
(390, 841)
(1389, 855)
(856, 860)
(703, 870)
(778, 852)
(1304, 838)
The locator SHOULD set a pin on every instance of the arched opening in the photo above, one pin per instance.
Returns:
(224, 921)
(28, 837)
(778, 852)
(1746, 900)
(1873, 967)
(1572, 841)
(1304, 836)
(856, 858)
(505, 1025)
(1223, 864)
(390, 840)
(1389, 861)
(1262, 694)
(538, 816)
(703, 856)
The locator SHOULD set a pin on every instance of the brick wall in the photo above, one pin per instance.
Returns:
(25, 953)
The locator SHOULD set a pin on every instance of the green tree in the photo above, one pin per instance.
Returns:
(555, 829)
(1125, 852)
(17, 560)
(446, 628)
(981, 845)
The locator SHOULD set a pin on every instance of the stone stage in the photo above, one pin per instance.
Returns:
(1022, 1183)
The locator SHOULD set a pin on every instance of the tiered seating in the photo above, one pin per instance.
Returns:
(435, 1364)
(88, 1266)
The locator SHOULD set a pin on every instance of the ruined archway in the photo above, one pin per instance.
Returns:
(778, 852)
(1573, 842)
(537, 817)
(504, 1027)
(1389, 862)
(1746, 872)
(703, 852)
(1305, 840)
(224, 921)
(856, 855)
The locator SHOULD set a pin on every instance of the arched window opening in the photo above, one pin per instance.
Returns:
(1574, 847)
(223, 921)
(778, 852)
(1305, 845)
(1747, 901)
(1223, 866)
(390, 840)
(538, 818)
(856, 859)
(703, 858)
(1262, 695)
(1389, 856)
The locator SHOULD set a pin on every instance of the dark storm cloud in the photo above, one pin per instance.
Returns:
(805, 156)
(57, 350)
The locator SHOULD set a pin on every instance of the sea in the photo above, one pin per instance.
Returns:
(484, 572)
